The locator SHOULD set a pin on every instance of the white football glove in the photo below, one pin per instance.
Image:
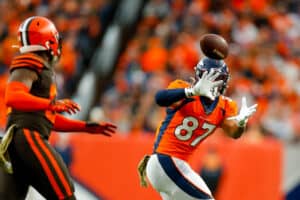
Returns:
(244, 114)
(205, 86)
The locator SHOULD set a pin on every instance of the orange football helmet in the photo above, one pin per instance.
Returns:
(39, 34)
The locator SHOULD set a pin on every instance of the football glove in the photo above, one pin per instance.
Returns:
(205, 86)
(64, 105)
(106, 129)
(244, 114)
(142, 170)
(5, 162)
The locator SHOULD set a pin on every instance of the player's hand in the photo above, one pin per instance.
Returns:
(64, 105)
(205, 86)
(106, 129)
(244, 113)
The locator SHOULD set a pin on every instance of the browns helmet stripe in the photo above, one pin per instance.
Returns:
(24, 28)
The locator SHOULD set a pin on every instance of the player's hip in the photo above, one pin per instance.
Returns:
(175, 151)
(173, 175)
(31, 121)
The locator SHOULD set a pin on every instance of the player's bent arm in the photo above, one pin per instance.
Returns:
(18, 96)
(232, 129)
(17, 93)
(168, 97)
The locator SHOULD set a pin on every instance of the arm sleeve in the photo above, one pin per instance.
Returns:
(174, 93)
(18, 97)
(169, 96)
(65, 124)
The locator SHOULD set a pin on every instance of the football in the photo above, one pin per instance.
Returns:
(214, 46)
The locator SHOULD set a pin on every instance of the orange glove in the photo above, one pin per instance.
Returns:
(106, 129)
(64, 105)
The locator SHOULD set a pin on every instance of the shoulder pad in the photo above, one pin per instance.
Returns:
(230, 106)
(30, 61)
(178, 84)
(226, 98)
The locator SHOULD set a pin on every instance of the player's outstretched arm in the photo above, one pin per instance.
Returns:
(234, 126)
(65, 124)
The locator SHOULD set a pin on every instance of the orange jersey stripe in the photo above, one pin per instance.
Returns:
(24, 65)
(28, 60)
(43, 163)
(54, 163)
(37, 65)
(31, 56)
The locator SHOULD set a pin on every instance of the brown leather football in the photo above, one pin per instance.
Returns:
(214, 46)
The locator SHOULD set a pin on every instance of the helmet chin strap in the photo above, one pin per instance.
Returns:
(31, 48)
(55, 59)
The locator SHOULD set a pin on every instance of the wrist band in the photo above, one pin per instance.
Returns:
(188, 92)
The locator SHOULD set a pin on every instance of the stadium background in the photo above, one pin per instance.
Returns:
(118, 53)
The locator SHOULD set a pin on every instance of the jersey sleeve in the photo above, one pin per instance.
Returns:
(231, 108)
(177, 84)
(29, 61)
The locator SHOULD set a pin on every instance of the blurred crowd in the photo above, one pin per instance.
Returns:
(264, 61)
(264, 58)
(80, 24)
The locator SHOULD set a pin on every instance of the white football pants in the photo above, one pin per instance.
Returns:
(174, 179)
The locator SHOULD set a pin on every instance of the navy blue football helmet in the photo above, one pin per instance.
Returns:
(206, 64)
